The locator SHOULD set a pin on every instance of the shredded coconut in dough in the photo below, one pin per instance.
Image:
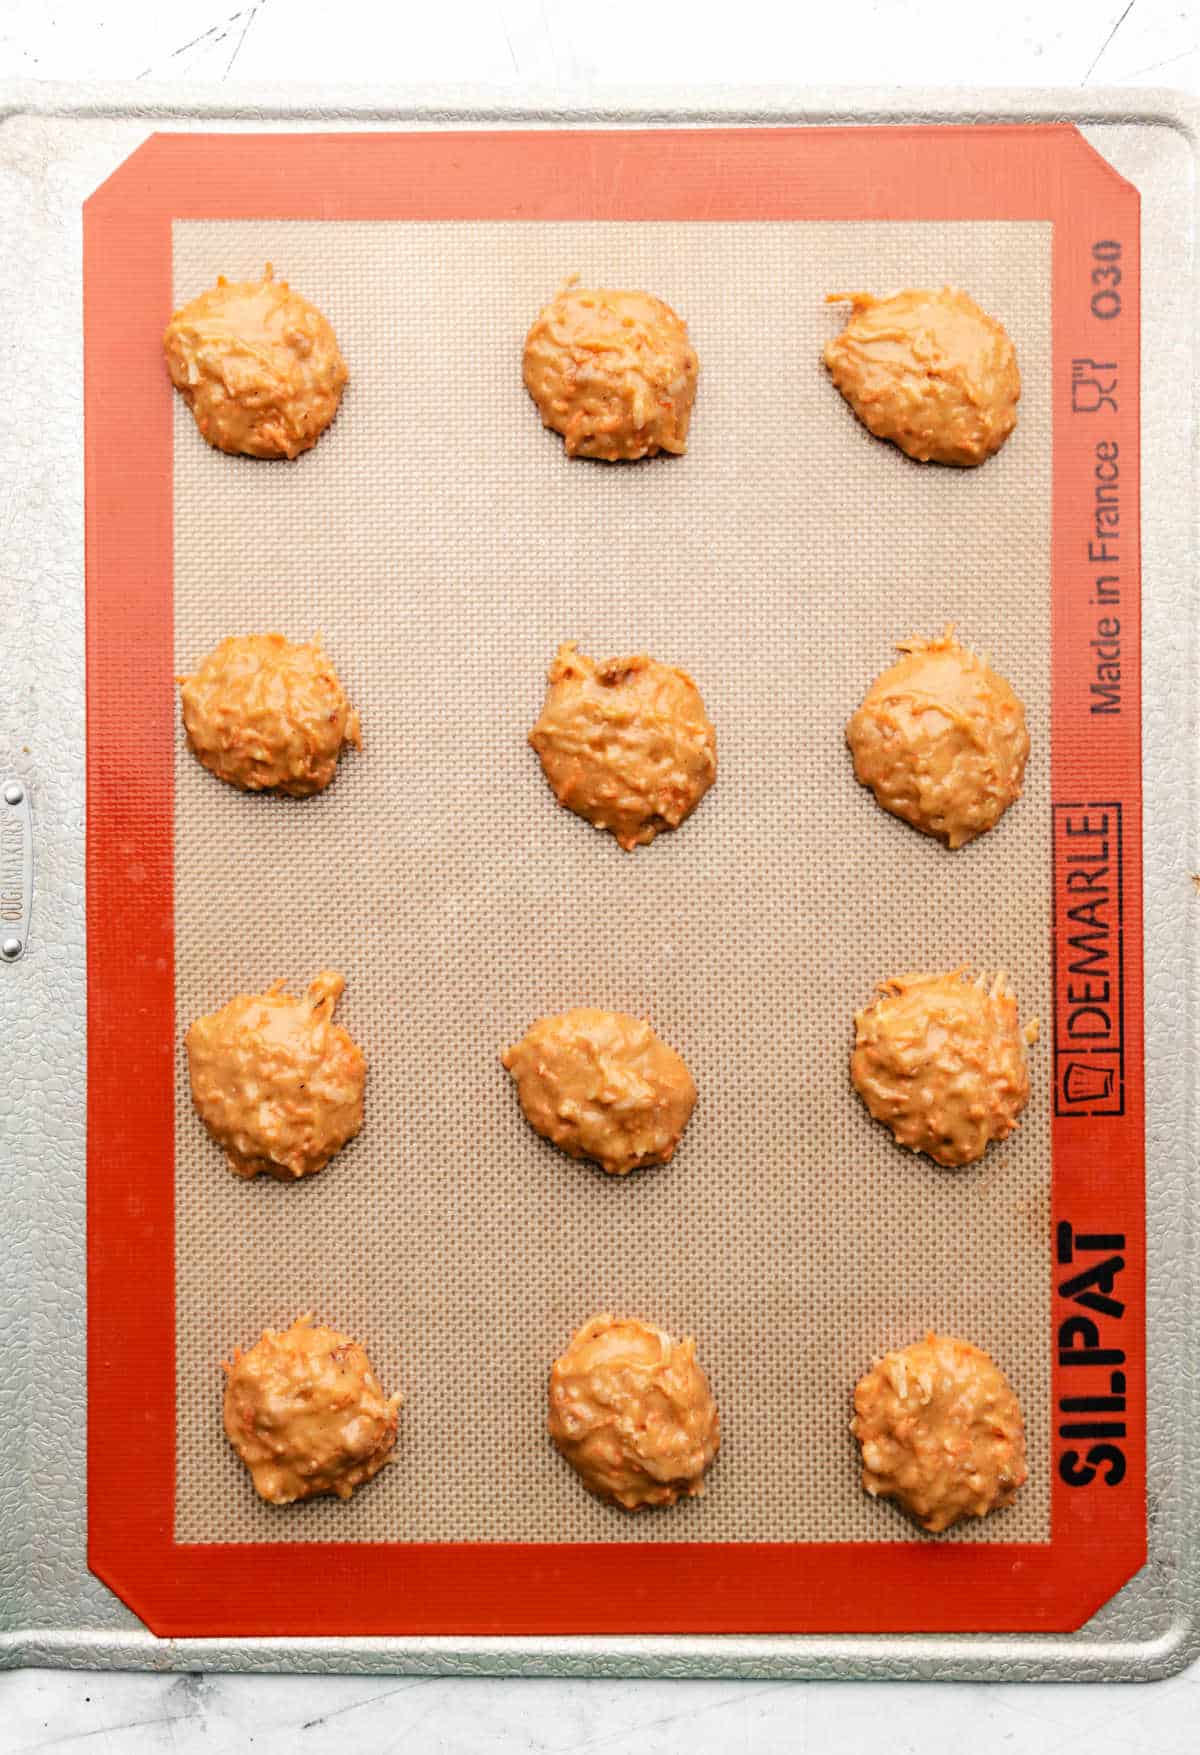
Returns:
(276, 1082)
(305, 1413)
(613, 372)
(263, 713)
(941, 1432)
(941, 740)
(928, 370)
(633, 1414)
(603, 1086)
(259, 367)
(626, 743)
(941, 1060)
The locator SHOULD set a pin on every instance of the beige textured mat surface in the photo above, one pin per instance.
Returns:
(441, 543)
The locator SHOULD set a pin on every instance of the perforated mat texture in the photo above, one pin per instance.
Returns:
(442, 544)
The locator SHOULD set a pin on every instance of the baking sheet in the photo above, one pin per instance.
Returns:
(60, 1614)
(443, 545)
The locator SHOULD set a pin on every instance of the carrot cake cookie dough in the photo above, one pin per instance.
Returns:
(258, 366)
(263, 713)
(276, 1082)
(304, 1411)
(625, 743)
(603, 1086)
(613, 372)
(941, 740)
(940, 1059)
(928, 370)
(941, 1432)
(633, 1414)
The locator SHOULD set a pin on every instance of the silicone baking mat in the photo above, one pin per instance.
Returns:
(443, 545)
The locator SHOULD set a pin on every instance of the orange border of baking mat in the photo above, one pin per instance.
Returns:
(1098, 1381)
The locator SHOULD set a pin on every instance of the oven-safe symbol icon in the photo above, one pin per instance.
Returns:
(1082, 1083)
(1093, 386)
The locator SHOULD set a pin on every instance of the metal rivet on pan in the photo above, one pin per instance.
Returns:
(10, 948)
(14, 792)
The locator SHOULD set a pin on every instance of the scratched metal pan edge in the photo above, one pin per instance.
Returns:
(57, 144)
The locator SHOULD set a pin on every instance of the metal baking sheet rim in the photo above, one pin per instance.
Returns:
(54, 1612)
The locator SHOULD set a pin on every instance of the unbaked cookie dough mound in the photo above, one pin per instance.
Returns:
(633, 1414)
(603, 1086)
(262, 713)
(258, 366)
(941, 1060)
(304, 1411)
(941, 740)
(613, 372)
(941, 1432)
(625, 743)
(928, 370)
(276, 1082)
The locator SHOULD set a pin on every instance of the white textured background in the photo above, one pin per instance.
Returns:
(607, 42)
(573, 46)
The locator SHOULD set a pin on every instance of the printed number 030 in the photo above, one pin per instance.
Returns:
(1106, 278)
